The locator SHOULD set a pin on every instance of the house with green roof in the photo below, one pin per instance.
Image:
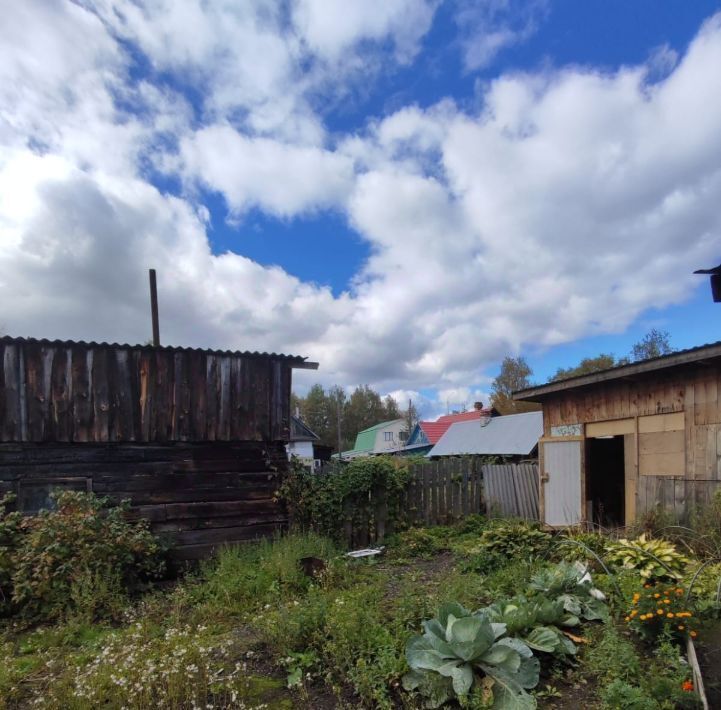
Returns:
(384, 438)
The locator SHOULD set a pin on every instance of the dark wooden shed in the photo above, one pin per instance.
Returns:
(194, 438)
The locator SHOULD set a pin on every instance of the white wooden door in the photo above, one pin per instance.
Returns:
(561, 481)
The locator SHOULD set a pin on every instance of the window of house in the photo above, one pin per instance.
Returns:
(403, 435)
(388, 435)
(34, 496)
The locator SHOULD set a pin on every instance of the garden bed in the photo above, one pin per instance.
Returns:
(254, 629)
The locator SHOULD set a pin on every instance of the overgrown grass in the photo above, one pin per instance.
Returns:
(228, 634)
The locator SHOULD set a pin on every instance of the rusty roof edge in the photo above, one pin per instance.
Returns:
(298, 361)
(681, 357)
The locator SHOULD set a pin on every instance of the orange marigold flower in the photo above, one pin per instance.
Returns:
(659, 611)
(693, 634)
(669, 615)
(656, 596)
(666, 601)
(687, 685)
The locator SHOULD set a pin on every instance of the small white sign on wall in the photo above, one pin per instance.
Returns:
(566, 430)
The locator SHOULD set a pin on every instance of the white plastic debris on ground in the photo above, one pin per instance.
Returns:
(369, 552)
(586, 577)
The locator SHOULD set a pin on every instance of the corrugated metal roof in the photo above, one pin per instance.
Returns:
(435, 430)
(510, 435)
(126, 346)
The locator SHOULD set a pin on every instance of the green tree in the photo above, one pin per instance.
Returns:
(514, 375)
(587, 366)
(363, 409)
(654, 344)
(337, 403)
(392, 411)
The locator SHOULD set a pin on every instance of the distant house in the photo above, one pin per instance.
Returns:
(305, 444)
(513, 435)
(384, 438)
(426, 434)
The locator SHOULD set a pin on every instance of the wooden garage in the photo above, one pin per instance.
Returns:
(622, 441)
(195, 439)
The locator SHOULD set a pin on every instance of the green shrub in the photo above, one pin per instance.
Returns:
(423, 543)
(514, 539)
(574, 545)
(82, 558)
(324, 502)
(620, 695)
(10, 535)
(654, 559)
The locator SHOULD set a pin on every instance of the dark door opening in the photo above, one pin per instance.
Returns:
(606, 481)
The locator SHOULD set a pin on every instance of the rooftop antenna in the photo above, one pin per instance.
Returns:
(154, 309)
(715, 275)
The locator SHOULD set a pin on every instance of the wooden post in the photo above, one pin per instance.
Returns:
(154, 309)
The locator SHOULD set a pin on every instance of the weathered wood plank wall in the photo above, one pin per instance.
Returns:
(680, 497)
(89, 392)
(197, 495)
(693, 391)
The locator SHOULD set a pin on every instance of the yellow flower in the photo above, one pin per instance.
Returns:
(656, 596)
(669, 615)
(693, 634)
(659, 611)
(634, 612)
(666, 601)
(681, 627)
(628, 618)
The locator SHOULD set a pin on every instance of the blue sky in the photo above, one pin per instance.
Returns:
(403, 190)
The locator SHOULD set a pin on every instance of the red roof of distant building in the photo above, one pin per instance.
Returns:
(435, 430)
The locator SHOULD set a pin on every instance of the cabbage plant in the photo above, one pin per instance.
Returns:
(570, 584)
(535, 622)
(459, 650)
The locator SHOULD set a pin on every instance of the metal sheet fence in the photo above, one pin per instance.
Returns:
(511, 490)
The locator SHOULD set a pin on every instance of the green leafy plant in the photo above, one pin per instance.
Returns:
(82, 558)
(654, 559)
(325, 502)
(535, 622)
(513, 539)
(460, 650)
(10, 535)
(569, 584)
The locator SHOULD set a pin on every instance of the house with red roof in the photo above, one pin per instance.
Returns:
(425, 435)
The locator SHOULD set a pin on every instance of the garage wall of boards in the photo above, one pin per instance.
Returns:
(620, 442)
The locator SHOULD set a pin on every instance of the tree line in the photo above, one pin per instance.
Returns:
(329, 412)
(516, 373)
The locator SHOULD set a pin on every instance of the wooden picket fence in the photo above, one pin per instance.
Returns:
(444, 491)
